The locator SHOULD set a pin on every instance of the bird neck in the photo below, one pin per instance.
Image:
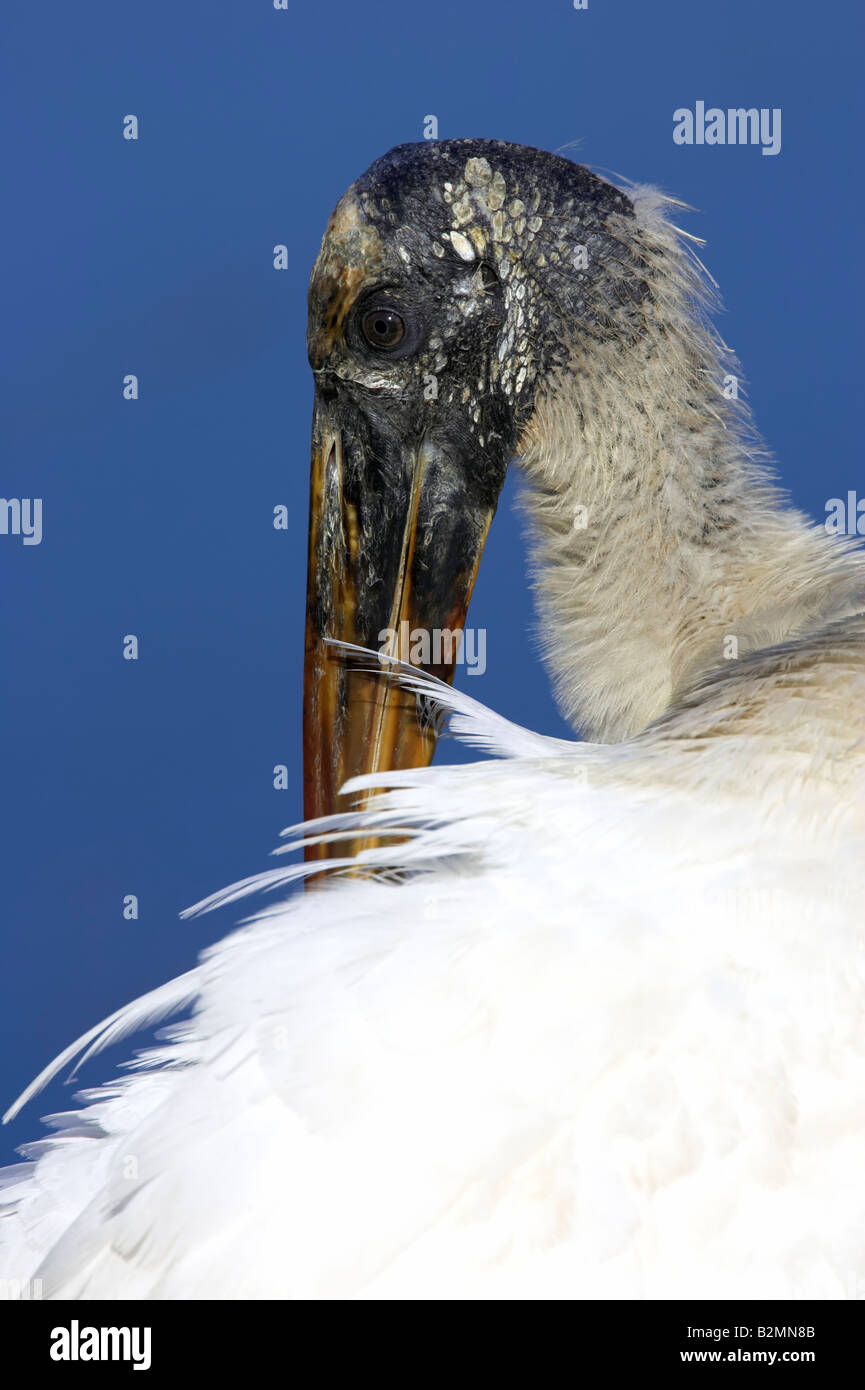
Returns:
(661, 549)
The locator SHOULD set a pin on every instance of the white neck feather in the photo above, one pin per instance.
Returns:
(662, 549)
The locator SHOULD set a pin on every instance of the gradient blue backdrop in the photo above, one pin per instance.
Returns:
(155, 257)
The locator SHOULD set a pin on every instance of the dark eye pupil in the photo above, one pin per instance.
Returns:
(383, 328)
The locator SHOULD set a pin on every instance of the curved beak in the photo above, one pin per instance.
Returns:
(396, 533)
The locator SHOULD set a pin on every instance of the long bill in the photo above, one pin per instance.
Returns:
(396, 533)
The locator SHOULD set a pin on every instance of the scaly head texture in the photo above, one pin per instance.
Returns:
(558, 318)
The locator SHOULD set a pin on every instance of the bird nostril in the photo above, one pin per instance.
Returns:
(325, 384)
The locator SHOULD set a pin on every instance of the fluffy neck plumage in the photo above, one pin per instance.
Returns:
(661, 549)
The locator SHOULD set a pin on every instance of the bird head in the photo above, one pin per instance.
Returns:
(453, 280)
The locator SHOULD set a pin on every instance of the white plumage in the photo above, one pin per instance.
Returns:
(606, 1038)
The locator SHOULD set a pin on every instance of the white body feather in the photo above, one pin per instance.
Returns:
(610, 1044)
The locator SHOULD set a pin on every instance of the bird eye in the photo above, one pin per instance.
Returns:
(383, 328)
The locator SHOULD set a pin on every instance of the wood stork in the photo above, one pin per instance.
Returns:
(584, 1019)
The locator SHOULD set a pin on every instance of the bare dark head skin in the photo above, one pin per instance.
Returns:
(451, 278)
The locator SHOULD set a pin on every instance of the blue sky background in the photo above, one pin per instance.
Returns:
(155, 777)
